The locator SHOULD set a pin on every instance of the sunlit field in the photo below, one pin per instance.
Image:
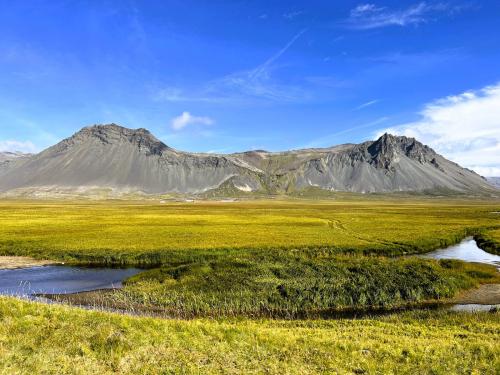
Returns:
(146, 233)
(36, 339)
(259, 258)
(233, 270)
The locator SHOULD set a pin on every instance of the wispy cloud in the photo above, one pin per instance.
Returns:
(186, 118)
(464, 128)
(19, 146)
(367, 104)
(333, 138)
(175, 94)
(257, 83)
(292, 14)
(371, 16)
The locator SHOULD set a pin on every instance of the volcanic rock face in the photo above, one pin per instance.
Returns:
(110, 156)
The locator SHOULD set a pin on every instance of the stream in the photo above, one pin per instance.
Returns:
(30, 282)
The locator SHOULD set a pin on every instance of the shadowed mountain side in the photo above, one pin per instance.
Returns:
(495, 181)
(110, 156)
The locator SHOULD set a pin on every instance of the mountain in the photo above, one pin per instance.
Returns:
(10, 159)
(7, 156)
(113, 157)
(495, 181)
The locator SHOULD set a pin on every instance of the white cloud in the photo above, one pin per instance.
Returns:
(243, 86)
(186, 118)
(367, 104)
(20, 146)
(464, 128)
(370, 16)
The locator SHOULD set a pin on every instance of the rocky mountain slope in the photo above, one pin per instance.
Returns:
(7, 156)
(495, 181)
(110, 156)
(9, 159)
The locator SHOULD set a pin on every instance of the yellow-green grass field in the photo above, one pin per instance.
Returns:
(260, 258)
(147, 233)
(41, 339)
(226, 267)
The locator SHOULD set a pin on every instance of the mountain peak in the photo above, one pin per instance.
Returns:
(388, 145)
(113, 129)
(114, 134)
(112, 156)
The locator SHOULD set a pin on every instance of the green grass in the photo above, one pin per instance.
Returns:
(36, 339)
(259, 258)
(151, 234)
(291, 288)
(489, 240)
(235, 265)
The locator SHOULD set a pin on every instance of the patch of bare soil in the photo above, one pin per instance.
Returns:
(8, 263)
(488, 294)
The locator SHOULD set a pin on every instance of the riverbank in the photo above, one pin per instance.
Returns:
(292, 289)
(276, 286)
(488, 294)
(15, 262)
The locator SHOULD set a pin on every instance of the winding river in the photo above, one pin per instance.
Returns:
(468, 251)
(28, 282)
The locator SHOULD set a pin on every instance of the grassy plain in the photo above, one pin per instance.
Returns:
(234, 264)
(259, 258)
(36, 338)
(153, 234)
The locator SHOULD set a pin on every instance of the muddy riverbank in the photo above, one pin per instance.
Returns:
(14, 262)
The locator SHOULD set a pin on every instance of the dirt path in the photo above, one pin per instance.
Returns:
(9, 263)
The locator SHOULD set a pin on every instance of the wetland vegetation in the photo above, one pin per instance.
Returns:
(233, 271)
(149, 234)
(37, 338)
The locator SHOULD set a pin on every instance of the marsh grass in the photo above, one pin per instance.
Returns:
(258, 258)
(149, 235)
(289, 288)
(37, 338)
(489, 240)
(231, 262)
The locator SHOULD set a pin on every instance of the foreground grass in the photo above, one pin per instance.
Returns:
(153, 234)
(36, 338)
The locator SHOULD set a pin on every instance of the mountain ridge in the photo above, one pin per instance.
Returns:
(111, 156)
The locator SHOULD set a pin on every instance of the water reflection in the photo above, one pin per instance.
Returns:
(468, 251)
(61, 279)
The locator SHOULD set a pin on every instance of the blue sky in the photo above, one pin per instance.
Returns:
(224, 76)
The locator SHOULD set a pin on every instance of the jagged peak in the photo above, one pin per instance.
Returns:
(113, 128)
(112, 134)
(387, 143)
